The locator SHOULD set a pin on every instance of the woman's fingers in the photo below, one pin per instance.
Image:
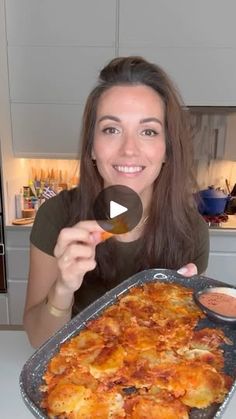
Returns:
(75, 252)
(84, 232)
(73, 272)
(188, 270)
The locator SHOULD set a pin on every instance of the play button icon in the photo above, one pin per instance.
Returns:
(118, 209)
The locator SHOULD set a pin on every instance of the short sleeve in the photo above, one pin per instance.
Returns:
(51, 217)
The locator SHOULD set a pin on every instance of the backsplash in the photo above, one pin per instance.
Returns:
(215, 173)
(214, 139)
(30, 170)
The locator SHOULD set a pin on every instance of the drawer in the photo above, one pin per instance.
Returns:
(4, 319)
(17, 263)
(17, 237)
(222, 266)
(223, 241)
(16, 297)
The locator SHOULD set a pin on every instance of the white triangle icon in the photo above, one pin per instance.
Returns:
(116, 209)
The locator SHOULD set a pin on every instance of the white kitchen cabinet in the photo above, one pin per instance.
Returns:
(54, 74)
(211, 84)
(60, 22)
(55, 51)
(48, 88)
(17, 258)
(184, 23)
(16, 300)
(46, 129)
(194, 42)
(222, 260)
(4, 317)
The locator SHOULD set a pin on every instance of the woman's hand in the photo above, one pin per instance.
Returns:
(188, 270)
(75, 253)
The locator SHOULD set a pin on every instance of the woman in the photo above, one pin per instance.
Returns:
(135, 134)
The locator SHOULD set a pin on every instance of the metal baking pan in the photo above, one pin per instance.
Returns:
(33, 370)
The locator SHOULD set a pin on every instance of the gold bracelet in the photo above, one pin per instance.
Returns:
(58, 312)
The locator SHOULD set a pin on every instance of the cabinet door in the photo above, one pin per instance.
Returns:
(60, 22)
(17, 254)
(211, 84)
(16, 301)
(222, 260)
(55, 51)
(194, 42)
(47, 100)
(4, 318)
(222, 267)
(184, 23)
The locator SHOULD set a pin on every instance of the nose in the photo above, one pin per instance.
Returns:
(129, 146)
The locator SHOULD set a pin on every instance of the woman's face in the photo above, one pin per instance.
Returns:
(129, 139)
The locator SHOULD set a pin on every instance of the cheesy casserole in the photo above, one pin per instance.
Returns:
(142, 358)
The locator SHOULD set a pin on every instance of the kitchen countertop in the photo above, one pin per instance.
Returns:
(230, 224)
(14, 352)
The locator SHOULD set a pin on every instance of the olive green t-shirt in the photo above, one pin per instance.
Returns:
(54, 215)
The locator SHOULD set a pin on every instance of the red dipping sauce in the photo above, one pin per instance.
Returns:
(220, 303)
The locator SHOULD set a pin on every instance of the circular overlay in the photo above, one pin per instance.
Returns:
(118, 209)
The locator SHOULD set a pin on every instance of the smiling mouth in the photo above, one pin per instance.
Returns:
(128, 169)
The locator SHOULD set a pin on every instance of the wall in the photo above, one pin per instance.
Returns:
(214, 138)
(215, 173)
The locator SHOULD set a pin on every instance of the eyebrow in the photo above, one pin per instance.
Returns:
(142, 121)
(113, 118)
(151, 119)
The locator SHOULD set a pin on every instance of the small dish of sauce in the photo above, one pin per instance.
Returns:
(219, 303)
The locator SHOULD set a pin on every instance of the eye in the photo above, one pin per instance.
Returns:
(149, 132)
(110, 130)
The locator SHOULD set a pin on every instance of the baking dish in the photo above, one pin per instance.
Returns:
(32, 372)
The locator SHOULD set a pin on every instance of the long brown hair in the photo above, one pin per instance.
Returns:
(168, 239)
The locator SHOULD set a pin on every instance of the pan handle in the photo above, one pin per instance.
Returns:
(160, 276)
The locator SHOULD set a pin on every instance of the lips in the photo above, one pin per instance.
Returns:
(129, 169)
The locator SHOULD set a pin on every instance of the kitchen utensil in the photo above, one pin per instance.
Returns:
(231, 206)
(212, 201)
(23, 221)
(233, 192)
(227, 185)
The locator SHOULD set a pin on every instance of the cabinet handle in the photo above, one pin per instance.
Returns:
(2, 249)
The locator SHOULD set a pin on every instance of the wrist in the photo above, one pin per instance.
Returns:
(60, 298)
(67, 287)
(57, 311)
(60, 291)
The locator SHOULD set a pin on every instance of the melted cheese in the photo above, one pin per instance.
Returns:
(142, 358)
